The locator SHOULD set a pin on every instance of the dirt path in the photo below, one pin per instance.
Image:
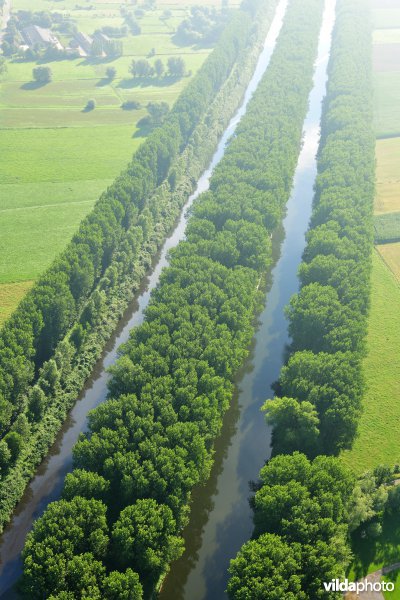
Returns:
(372, 578)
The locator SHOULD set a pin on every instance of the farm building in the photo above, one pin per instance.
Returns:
(36, 36)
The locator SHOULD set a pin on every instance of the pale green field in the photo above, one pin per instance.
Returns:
(387, 104)
(386, 18)
(378, 441)
(57, 158)
(387, 175)
(386, 36)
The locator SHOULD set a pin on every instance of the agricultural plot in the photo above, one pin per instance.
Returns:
(386, 57)
(387, 104)
(56, 157)
(386, 16)
(387, 175)
(10, 295)
(391, 255)
(378, 441)
(386, 36)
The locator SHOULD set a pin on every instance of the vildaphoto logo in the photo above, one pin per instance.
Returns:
(358, 586)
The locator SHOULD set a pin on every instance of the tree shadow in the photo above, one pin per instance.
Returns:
(143, 130)
(33, 85)
(103, 82)
(135, 82)
(97, 60)
(383, 550)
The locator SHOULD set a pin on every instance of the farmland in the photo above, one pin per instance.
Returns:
(391, 255)
(377, 441)
(387, 175)
(54, 163)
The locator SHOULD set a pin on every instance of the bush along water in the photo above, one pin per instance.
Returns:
(81, 301)
(307, 503)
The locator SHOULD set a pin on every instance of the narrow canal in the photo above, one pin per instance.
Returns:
(221, 519)
(47, 484)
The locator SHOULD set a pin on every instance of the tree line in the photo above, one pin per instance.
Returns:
(151, 442)
(52, 340)
(306, 505)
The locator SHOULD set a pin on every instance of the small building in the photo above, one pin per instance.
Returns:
(36, 36)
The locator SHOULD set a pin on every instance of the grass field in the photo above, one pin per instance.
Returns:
(386, 36)
(57, 158)
(386, 17)
(394, 577)
(391, 255)
(387, 103)
(10, 295)
(387, 175)
(371, 555)
(378, 440)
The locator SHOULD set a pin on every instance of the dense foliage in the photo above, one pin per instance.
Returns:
(322, 381)
(313, 506)
(152, 441)
(300, 512)
(123, 225)
(45, 404)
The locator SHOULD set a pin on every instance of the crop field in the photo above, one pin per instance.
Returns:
(386, 57)
(386, 17)
(391, 255)
(378, 441)
(56, 157)
(387, 103)
(386, 36)
(387, 175)
(10, 295)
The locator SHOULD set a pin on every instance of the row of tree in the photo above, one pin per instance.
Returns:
(151, 441)
(303, 510)
(66, 300)
(320, 390)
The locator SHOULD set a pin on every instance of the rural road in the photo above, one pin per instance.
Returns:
(5, 17)
(372, 578)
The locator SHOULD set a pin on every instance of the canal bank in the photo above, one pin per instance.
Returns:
(47, 484)
(221, 518)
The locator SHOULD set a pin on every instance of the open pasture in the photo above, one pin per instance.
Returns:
(386, 36)
(386, 17)
(387, 104)
(387, 175)
(378, 440)
(386, 57)
(391, 255)
(57, 158)
(10, 295)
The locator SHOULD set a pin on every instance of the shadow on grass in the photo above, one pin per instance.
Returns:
(34, 85)
(103, 82)
(142, 130)
(136, 82)
(383, 551)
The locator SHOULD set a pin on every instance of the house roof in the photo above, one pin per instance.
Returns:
(35, 35)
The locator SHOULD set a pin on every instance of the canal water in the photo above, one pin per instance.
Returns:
(47, 484)
(221, 518)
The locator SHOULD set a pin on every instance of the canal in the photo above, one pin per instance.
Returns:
(221, 518)
(47, 484)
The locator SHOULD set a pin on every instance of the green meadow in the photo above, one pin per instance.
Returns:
(378, 440)
(57, 158)
(387, 104)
